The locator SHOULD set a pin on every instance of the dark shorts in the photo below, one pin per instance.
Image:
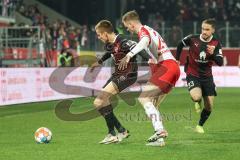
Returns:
(122, 81)
(206, 84)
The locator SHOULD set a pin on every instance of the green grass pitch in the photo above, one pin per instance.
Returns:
(79, 140)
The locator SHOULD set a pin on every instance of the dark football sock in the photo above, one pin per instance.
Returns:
(204, 116)
(118, 125)
(107, 113)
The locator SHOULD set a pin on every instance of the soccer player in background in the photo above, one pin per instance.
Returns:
(116, 47)
(204, 50)
(164, 68)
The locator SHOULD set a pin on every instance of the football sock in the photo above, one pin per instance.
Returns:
(204, 116)
(116, 122)
(154, 116)
(118, 125)
(107, 113)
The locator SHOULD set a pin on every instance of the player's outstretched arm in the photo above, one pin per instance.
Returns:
(142, 44)
(144, 55)
(184, 42)
(179, 50)
(94, 65)
(104, 57)
(100, 61)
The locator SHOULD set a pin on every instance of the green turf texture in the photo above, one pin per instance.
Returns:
(79, 140)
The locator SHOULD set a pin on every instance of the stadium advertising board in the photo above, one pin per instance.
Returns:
(23, 85)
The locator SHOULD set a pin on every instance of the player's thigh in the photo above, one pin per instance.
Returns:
(196, 93)
(194, 87)
(103, 97)
(149, 92)
(109, 90)
(208, 102)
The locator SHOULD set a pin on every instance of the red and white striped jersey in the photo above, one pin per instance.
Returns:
(157, 48)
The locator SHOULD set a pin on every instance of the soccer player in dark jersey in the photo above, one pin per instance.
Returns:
(204, 50)
(116, 47)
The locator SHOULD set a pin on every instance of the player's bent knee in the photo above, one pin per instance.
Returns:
(143, 100)
(196, 98)
(140, 100)
(98, 103)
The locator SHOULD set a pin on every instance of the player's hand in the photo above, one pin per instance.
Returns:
(152, 61)
(124, 62)
(94, 65)
(210, 49)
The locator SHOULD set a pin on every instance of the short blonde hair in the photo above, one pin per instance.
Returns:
(104, 26)
(131, 15)
(210, 21)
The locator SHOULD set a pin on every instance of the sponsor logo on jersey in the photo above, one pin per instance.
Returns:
(202, 57)
(196, 44)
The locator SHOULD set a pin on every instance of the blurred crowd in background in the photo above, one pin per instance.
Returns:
(187, 10)
(176, 15)
(58, 40)
(58, 34)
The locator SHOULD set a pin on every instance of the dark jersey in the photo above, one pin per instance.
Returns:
(117, 51)
(200, 62)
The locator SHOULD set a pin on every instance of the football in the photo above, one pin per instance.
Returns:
(43, 135)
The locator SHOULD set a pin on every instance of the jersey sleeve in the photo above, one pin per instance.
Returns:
(218, 50)
(142, 44)
(127, 45)
(144, 33)
(218, 55)
(186, 40)
(104, 57)
(108, 47)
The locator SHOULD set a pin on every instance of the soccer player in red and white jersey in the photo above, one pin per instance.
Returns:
(164, 68)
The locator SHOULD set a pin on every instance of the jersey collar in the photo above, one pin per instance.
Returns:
(116, 38)
(140, 28)
(205, 40)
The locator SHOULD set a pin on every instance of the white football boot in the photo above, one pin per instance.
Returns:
(158, 143)
(157, 135)
(109, 139)
(123, 135)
